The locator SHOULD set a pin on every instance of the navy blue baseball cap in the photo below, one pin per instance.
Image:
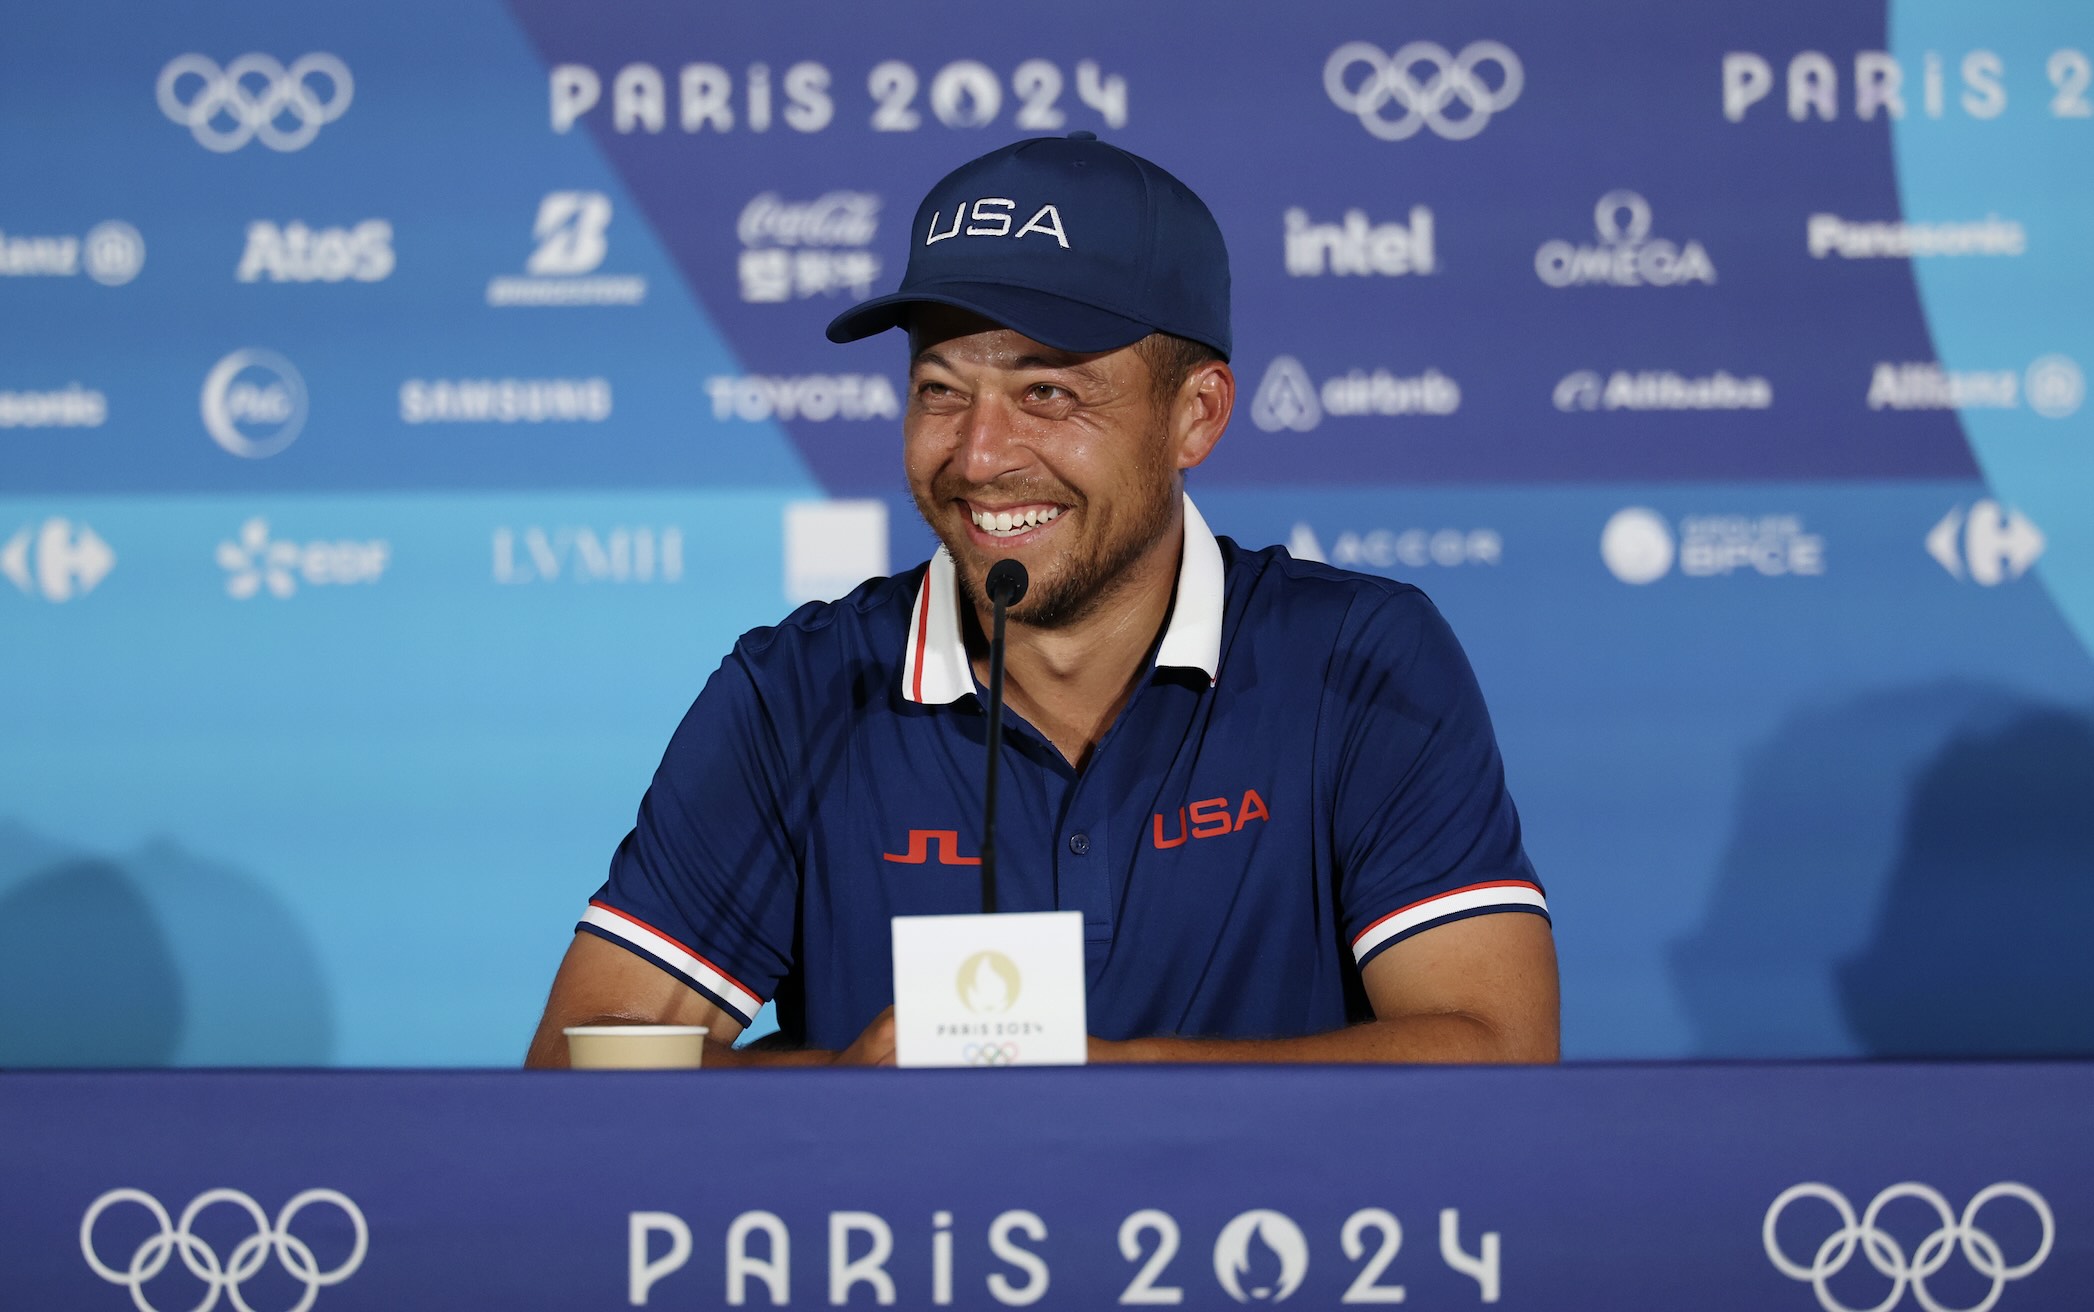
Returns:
(1077, 244)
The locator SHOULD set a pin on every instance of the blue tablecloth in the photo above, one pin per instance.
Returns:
(1602, 1187)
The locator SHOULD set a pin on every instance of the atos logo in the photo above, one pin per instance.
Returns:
(1993, 544)
(1210, 818)
(921, 841)
(297, 253)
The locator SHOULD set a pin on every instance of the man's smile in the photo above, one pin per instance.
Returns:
(1009, 525)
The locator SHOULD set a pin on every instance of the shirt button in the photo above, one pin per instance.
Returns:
(1080, 844)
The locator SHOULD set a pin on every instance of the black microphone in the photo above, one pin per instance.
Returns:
(1006, 587)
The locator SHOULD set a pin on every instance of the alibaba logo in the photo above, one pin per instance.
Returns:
(988, 983)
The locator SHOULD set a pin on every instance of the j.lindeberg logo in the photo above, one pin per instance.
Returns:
(225, 1275)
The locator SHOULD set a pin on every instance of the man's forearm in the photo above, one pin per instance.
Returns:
(1452, 1037)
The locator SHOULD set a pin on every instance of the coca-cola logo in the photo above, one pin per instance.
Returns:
(839, 218)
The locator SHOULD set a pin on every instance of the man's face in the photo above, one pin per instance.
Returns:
(1064, 462)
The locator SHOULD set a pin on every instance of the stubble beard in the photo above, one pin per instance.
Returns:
(1088, 581)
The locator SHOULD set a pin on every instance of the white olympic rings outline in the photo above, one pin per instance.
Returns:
(989, 1054)
(224, 91)
(247, 1257)
(1980, 1249)
(1453, 78)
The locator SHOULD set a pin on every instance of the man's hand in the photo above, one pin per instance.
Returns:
(875, 1047)
(1476, 990)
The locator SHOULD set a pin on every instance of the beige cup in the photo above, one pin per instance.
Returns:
(635, 1047)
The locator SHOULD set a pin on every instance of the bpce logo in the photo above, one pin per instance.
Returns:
(224, 1275)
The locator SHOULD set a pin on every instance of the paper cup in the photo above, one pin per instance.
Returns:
(635, 1047)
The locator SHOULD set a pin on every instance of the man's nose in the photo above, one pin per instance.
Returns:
(990, 445)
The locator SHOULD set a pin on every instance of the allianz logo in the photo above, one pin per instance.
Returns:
(505, 400)
(757, 398)
(111, 253)
(1640, 546)
(571, 232)
(1357, 247)
(56, 560)
(297, 253)
(1883, 84)
(1661, 389)
(71, 406)
(1989, 544)
(1851, 239)
(581, 554)
(254, 562)
(1413, 548)
(1626, 254)
(1288, 398)
(2052, 386)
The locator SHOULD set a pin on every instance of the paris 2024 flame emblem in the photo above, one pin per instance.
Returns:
(988, 983)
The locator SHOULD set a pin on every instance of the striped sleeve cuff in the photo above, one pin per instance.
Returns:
(1455, 904)
(679, 960)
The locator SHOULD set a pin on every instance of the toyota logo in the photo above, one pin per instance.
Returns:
(255, 95)
(224, 1275)
(1450, 79)
(1885, 1254)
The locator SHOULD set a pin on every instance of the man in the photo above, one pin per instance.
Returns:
(1270, 787)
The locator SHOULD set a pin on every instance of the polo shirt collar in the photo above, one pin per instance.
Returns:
(934, 666)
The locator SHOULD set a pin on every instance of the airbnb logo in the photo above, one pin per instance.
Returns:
(921, 841)
(1209, 819)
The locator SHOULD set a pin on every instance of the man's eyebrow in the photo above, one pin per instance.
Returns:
(931, 357)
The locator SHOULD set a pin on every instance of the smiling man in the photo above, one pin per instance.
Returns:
(1270, 787)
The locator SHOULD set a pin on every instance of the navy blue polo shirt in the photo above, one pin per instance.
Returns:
(1306, 775)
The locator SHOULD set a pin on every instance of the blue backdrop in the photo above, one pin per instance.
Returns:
(402, 408)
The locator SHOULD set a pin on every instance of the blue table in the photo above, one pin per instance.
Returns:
(1602, 1187)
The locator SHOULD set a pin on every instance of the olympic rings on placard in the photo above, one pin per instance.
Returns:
(1452, 78)
(1883, 1252)
(227, 1275)
(989, 1054)
(258, 110)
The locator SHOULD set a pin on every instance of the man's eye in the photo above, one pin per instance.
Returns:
(1046, 391)
(931, 389)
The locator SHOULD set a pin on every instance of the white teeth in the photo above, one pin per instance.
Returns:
(1004, 523)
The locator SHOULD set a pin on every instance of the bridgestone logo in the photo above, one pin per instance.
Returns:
(566, 291)
(505, 400)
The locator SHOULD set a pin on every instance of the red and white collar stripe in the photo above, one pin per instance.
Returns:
(935, 669)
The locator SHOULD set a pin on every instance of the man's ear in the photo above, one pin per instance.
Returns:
(1201, 411)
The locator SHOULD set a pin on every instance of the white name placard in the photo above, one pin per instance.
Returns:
(1003, 990)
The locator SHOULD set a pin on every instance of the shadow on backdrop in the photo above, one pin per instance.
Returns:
(1892, 853)
(1983, 946)
(158, 958)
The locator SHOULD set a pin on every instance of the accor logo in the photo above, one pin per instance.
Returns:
(1210, 818)
(921, 841)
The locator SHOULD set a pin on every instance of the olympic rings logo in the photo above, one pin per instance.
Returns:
(255, 93)
(1452, 78)
(1980, 1249)
(989, 1054)
(226, 1276)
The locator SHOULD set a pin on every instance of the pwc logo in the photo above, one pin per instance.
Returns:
(921, 841)
(1210, 818)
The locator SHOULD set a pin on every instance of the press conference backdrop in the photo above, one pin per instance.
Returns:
(404, 406)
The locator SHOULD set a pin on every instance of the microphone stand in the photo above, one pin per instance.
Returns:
(1005, 586)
